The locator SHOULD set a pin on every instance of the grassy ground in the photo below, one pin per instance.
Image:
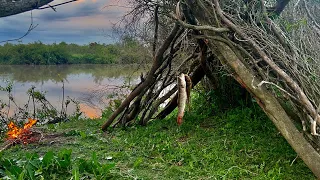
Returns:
(238, 144)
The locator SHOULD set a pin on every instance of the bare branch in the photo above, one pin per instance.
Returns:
(199, 28)
(31, 27)
(53, 6)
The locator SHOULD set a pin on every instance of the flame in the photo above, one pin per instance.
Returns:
(30, 123)
(16, 132)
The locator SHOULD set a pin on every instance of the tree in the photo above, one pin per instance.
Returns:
(267, 48)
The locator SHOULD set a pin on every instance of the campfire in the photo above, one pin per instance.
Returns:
(27, 135)
(21, 135)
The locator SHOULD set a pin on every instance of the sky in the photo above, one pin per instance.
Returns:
(80, 22)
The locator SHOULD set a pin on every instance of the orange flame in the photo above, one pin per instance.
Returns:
(30, 123)
(15, 132)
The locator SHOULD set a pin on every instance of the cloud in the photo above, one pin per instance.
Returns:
(80, 22)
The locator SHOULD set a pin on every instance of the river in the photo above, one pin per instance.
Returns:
(91, 85)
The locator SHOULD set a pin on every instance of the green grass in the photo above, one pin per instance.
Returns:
(238, 144)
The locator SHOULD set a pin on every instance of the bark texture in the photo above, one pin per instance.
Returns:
(12, 7)
(270, 106)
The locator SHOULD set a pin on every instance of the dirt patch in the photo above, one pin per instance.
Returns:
(37, 137)
(183, 139)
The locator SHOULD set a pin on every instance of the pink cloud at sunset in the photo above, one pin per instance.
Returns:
(91, 19)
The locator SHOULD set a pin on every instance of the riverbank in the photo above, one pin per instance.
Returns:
(90, 88)
(238, 144)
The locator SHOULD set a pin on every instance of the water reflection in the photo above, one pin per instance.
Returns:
(81, 82)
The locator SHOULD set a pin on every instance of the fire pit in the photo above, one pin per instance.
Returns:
(25, 135)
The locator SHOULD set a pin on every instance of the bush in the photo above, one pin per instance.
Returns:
(37, 53)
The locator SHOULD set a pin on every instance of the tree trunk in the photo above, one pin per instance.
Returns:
(11, 7)
(270, 106)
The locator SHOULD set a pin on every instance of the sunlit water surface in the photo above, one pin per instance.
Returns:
(91, 85)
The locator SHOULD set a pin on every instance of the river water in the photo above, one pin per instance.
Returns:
(91, 85)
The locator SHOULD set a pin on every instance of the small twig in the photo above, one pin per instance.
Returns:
(115, 5)
(224, 143)
(318, 109)
(203, 27)
(7, 146)
(54, 9)
(313, 126)
(238, 168)
(294, 160)
(296, 4)
(266, 82)
(62, 113)
(155, 38)
(52, 6)
(41, 135)
(31, 27)
(8, 107)
(34, 105)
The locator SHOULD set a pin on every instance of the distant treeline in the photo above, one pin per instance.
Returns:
(126, 52)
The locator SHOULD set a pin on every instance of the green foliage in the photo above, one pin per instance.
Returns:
(228, 95)
(127, 51)
(101, 171)
(53, 166)
(37, 106)
(7, 88)
(239, 142)
(294, 25)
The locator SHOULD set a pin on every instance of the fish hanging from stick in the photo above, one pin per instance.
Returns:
(184, 88)
(188, 89)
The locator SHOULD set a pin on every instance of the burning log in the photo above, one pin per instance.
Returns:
(23, 135)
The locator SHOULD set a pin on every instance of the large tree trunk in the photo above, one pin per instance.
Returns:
(270, 106)
(11, 7)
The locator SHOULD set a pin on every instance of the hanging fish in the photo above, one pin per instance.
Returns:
(188, 89)
(182, 97)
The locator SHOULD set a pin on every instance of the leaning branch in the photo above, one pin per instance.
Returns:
(53, 6)
(290, 82)
(9, 7)
(199, 28)
(158, 60)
